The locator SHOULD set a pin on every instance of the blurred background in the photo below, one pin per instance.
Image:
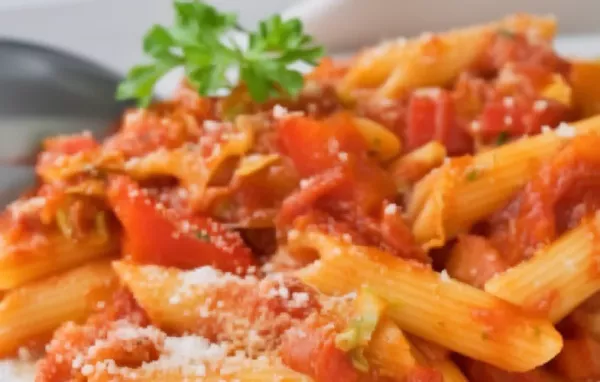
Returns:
(109, 31)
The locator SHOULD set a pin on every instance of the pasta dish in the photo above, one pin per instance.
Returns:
(424, 211)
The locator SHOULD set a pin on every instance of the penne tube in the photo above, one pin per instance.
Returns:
(389, 350)
(452, 198)
(383, 144)
(393, 355)
(33, 311)
(399, 66)
(410, 168)
(154, 288)
(240, 374)
(455, 315)
(558, 278)
(585, 82)
(30, 260)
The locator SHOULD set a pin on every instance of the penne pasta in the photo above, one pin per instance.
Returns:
(23, 263)
(585, 83)
(197, 166)
(395, 356)
(293, 229)
(257, 374)
(33, 311)
(153, 287)
(558, 278)
(382, 142)
(398, 66)
(451, 199)
(410, 168)
(389, 350)
(455, 315)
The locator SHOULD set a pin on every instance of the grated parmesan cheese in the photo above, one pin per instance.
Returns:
(565, 130)
(540, 105)
(391, 209)
(279, 111)
(508, 102)
(211, 126)
(444, 277)
(428, 92)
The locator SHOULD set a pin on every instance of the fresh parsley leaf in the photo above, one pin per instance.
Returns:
(502, 138)
(198, 41)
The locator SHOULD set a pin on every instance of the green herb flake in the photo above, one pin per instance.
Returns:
(502, 138)
(506, 33)
(203, 235)
(201, 42)
(472, 175)
(485, 336)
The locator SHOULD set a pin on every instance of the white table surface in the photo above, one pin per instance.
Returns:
(110, 31)
(107, 31)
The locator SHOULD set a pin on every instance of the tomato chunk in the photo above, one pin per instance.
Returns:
(315, 146)
(155, 235)
(520, 116)
(70, 144)
(432, 117)
(311, 350)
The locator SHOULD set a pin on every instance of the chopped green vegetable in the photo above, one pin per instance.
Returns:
(203, 235)
(502, 138)
(200, 41)
(368, 311)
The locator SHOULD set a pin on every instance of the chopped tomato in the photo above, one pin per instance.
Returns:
(556, 198)
(579, 359)
(474, 260)
(329, 70)
(305, 198)
(315, 146)
(432, 117)
(321, 148)
(311, 350)
(70, 144)
(424, 374)
(158, 236)
(65, 145)
(520, 117)
(518, 48)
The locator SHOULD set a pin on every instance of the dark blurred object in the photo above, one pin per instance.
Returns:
(46, 92)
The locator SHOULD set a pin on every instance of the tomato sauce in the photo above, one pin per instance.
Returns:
(565, 188)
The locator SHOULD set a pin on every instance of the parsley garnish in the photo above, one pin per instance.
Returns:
(502, 138)
(203, 235)
(199, 41)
